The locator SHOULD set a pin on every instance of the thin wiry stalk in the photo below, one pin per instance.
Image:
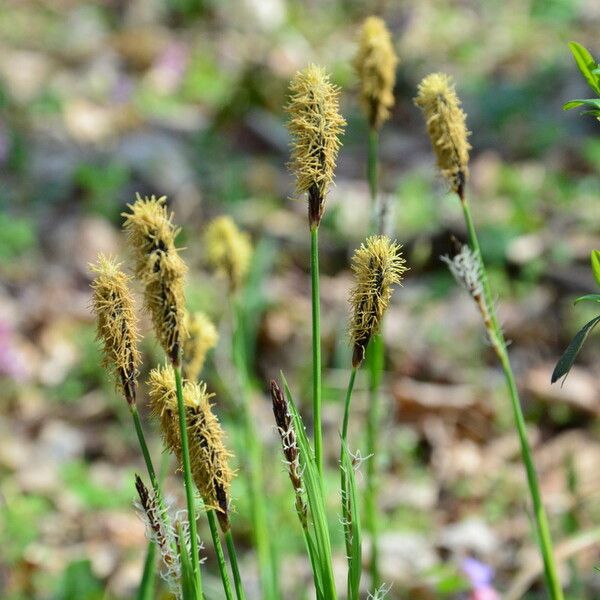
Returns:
(214, 532)
(187, 476)
(316, 347)
(239, 588)
(499, 344)
(255, 479)
(375, 366)
(346, 515)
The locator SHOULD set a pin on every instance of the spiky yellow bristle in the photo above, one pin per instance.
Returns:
(203, 337)
(228, 250)
(446, 124)
(378, 265)
(159, 267)
(209, 457)
(375, 64)
(113, 306)
(315, 125)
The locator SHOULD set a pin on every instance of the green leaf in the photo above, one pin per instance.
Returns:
(587, 65)
(595, 260)
(593, 103)
(146, 589)
(588, 298)
(565, 363)
(189, 590)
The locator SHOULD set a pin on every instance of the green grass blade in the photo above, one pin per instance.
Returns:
(147, 585)
(586, 63)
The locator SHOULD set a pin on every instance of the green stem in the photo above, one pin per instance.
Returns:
(346, 517)
(375, 358)
(541, 520)
(214, 532)
(187, 477)
(316, 347)
(372, 177)
(142, 441)
(147, 586)
(239, 590)
(253, 458)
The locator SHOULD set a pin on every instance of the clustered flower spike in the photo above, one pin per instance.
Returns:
(203, 337)
(160, 533)
(116, 324)
(378, 265)
(159, 267)
(466, 269)
(315, 125)
(287, 433)
(209, 457)
(446, 125)
(375, 64)
(228, 250)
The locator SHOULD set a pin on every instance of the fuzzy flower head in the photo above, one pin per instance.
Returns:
(378, 266)
(159, 267)
(203, 337)
(208, 455)
(315, 125)
(375, 64)
(446, 125)
(113, 306)
(228, 250)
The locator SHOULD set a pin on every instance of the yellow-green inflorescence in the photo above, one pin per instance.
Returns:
(160, 268)
(228, 250)
(378, 266)
(114, 308)
(202, 337)
(375, 64)
(447, 128)
(209, 457)
(315, 124)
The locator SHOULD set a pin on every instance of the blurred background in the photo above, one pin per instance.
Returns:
(99, 100)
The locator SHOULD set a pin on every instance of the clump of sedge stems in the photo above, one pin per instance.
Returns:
(182, 404)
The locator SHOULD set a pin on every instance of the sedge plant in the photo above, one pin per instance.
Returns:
(377, 266)
(446, 124)
(315, 125)
(375, 64)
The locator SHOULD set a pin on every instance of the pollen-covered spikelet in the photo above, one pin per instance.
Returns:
(116, 324)
(228, 250)
(208, 456)
(375, 64)
(315, 125)
(446, 124)
(377, 266)
(159, 267)
(203, 337)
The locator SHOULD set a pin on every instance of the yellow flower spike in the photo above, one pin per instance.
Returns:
(375, 64)
(113, 306)
(315, 125)
(228, 250)
(377, 265)
(209, 457)
(203, 337)
(159, 267)
(446, 125)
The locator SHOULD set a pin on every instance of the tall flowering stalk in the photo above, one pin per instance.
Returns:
(315, 125)
(229, 252)
(378, 266)
(446, 125)
(161, 270)
(375, 65)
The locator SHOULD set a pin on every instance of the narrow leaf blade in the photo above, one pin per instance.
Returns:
(587, 65)
(565, 363)
(595, 260)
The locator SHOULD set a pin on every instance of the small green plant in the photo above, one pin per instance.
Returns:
(590, 70)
